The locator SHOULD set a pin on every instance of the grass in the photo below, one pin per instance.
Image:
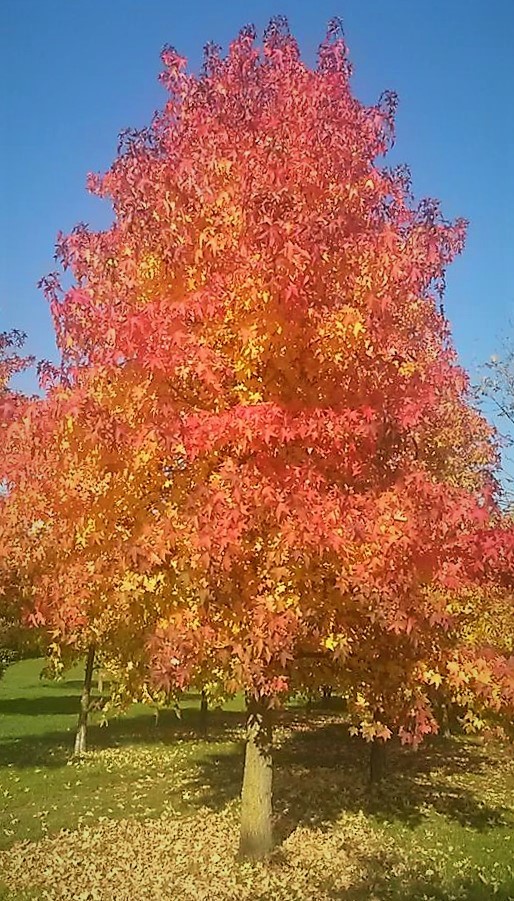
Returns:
(135, 764)
(440, 826)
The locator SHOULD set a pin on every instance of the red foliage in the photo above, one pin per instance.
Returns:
(262, 321)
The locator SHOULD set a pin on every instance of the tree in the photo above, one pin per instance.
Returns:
(498, 388)
(12, 362)
(76, 523)
(261, 320)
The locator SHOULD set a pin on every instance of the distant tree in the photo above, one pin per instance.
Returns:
(498, 387)
(76, 524)
(12, 362)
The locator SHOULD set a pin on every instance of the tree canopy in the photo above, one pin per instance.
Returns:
(259, 461)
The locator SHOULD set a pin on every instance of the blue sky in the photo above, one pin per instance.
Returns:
(76, 73)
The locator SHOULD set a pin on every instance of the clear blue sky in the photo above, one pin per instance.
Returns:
(75, 73)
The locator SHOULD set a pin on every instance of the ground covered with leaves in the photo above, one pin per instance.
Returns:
(153, 811)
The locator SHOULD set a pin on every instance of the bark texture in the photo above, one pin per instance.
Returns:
(256, 837)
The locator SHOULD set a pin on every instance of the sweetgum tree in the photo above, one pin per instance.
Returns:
(82, 486)
(12, 401)
(262, 321)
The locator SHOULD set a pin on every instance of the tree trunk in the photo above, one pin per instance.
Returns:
(256, 838)
(444, 719)
(376, 761)
(100, 680)
(204, 707)
(85, 703)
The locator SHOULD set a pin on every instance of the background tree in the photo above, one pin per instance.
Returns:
(12, 402)
(498, 388)
(79, 500)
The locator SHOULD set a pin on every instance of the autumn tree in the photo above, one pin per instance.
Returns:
(12, 362)
(262, 321)
(81, 484)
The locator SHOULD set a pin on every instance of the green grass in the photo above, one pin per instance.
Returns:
(135, 765)
(443, 818)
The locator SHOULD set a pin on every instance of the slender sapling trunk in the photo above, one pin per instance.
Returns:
(326, 691)
(376, 761)
(204, 707)
(85, 704)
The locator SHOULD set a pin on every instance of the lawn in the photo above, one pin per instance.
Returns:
(152, 812)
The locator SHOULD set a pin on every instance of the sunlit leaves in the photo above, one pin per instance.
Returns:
(262, 415)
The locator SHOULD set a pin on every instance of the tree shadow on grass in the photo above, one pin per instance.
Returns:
(44, 705)
(415, 885)
(68, 684)
(50, 704)
(414, 782)
(321, 772)
(54, 748)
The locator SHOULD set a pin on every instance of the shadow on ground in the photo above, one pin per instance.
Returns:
(321, 772)
(44, 705)
(311, 752)
(419, 886)
(412, 781)
(71, 684)
(53, 749)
